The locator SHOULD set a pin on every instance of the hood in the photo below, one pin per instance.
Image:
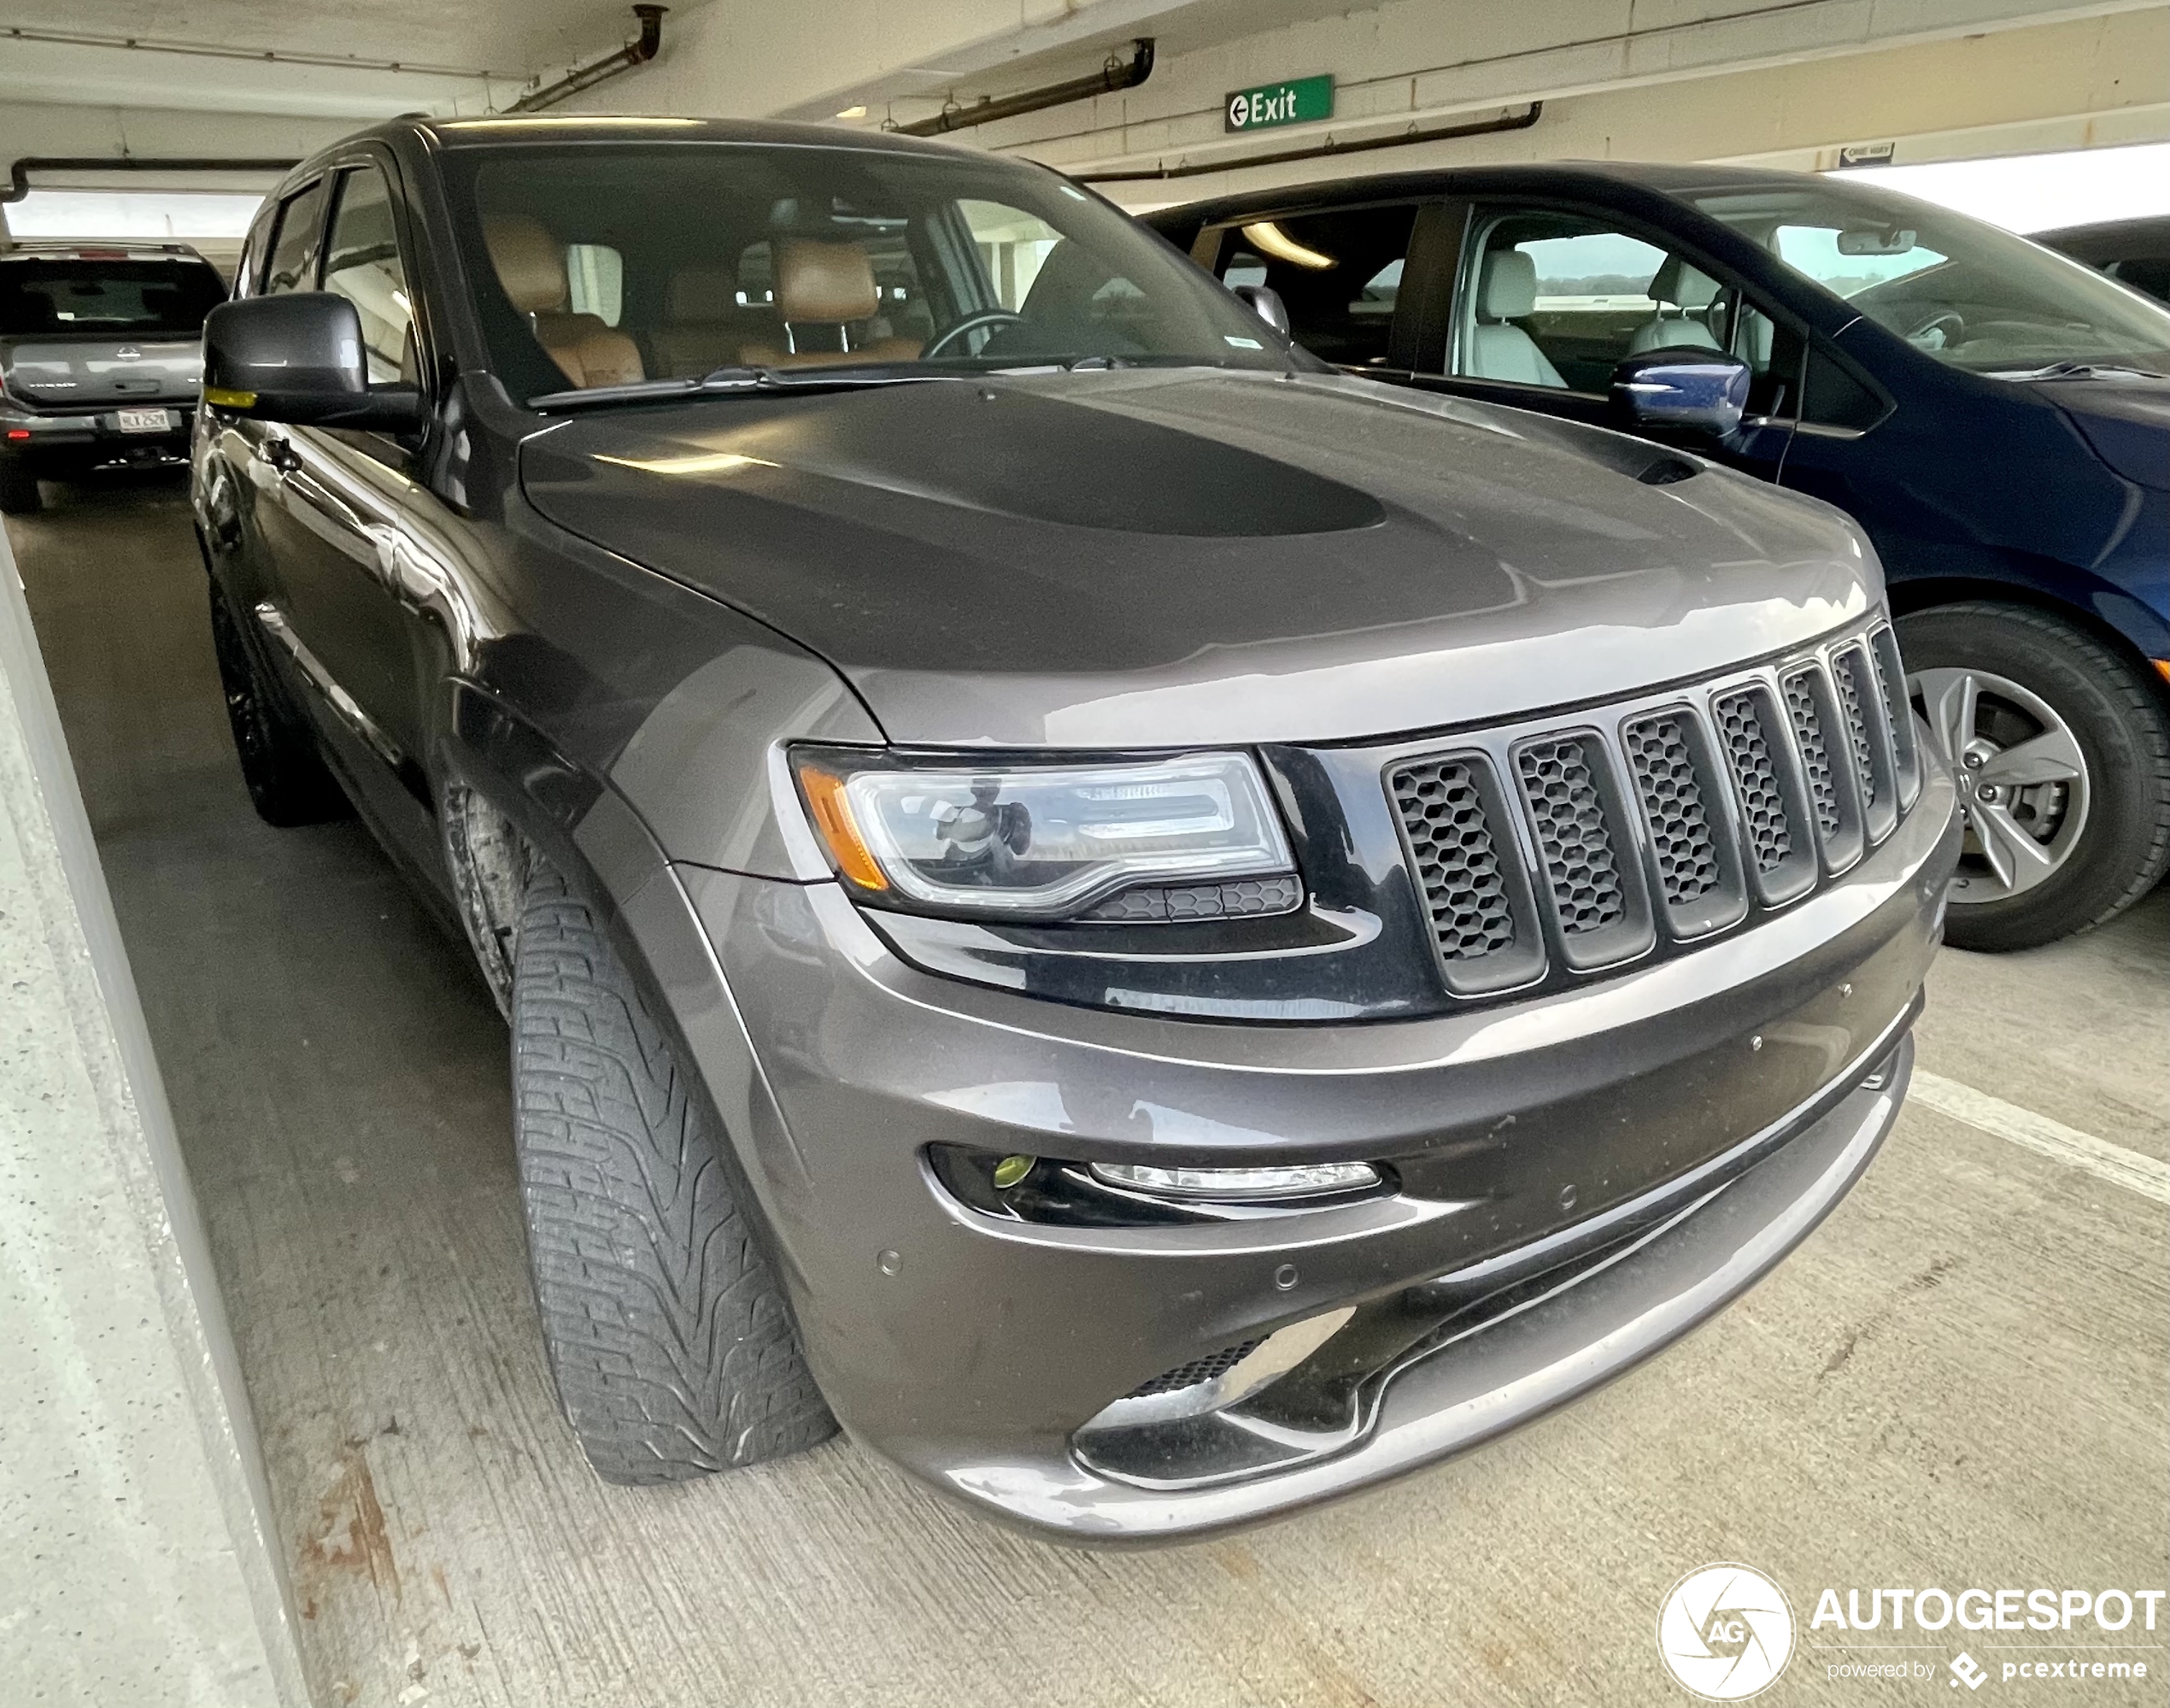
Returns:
(91, 373)
(1160, 558)
(2126, 418)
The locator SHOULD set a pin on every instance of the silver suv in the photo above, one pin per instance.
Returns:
(99, 359)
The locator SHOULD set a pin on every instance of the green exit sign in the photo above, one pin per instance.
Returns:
(1300, 103)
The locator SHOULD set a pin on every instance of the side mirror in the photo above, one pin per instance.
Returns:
(1265, 303)
(1688, 387)
(299, 358)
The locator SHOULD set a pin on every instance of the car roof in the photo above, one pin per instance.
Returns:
(512, 129)
(2118, 239)
(33, 251)
(1563, 176)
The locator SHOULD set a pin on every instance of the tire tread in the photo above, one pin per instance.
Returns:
(672, 1349)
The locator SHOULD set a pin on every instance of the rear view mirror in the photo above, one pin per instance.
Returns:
(1871, 240)
(1688, 387)
(299, 357)
(1265, 303)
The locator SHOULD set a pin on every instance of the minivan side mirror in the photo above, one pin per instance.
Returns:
(1688, 386)
(1265, 303)
(298, 357)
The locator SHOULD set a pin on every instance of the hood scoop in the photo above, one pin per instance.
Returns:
(1007, 453)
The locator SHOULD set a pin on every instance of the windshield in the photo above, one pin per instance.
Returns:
(130, 299)
(1963, 291)
(607, 265)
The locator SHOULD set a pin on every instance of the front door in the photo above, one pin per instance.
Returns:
(1543, 301)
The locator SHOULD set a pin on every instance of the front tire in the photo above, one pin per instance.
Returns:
(2062, 751)
(673, 1352)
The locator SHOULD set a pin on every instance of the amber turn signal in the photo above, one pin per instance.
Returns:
(832, 817)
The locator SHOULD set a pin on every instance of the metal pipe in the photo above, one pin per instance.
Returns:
(1115, 75)
(19, 173)
(1483, 127)
(638, 51)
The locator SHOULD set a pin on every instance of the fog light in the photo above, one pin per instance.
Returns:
(1306, 1180)
(1011, 1169)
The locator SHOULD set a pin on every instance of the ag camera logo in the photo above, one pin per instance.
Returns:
(1725, 1631)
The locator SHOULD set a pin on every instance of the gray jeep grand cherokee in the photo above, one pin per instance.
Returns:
(1161, 933)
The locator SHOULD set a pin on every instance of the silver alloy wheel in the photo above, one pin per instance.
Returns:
(2023, 782)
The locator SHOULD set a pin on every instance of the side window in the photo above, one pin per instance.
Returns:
(362, 263)
(1012, 246)
(1339, 273)
(1832, 396)
(1556, 299)
(596, 281)
(292, 266)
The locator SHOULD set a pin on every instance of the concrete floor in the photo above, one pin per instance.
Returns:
(1960, 1380)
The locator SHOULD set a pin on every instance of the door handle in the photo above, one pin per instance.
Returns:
(278, 454)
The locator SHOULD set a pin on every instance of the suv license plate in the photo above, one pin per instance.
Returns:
(145, 420)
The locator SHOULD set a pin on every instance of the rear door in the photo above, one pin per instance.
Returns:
(1338, 271)
(1540, 300)
(334, 511)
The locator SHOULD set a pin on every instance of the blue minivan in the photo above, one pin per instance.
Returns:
(1996, 415)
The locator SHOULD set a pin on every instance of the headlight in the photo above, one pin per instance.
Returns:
(1038, 841)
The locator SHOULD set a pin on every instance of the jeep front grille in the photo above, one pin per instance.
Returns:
(1585, 844)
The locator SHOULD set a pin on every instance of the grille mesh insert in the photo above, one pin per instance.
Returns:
(1570, 818)
(1842, 670)
(1687, 857)
(1198, 1369)
(1458, 859)
(1807, 729)
(1740, 724)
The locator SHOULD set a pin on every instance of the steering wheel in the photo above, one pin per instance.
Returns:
(988, 318)
(1952, 326)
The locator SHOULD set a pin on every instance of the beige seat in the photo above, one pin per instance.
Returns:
(703, 325)
(530, 266)
(822, 290)
(1687, 292)
(1507, 290)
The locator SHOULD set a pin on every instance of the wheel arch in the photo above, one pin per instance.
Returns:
(1912, 595)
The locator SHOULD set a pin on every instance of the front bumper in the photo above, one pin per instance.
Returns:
(1711, 1109)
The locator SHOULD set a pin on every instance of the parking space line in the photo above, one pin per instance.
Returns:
(2039, 1134)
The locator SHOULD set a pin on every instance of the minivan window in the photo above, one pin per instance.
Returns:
(1338, 274)
(767, 255)
(148, 299)
(1955, 289)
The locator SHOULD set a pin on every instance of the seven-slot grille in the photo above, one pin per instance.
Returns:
(1592, 837)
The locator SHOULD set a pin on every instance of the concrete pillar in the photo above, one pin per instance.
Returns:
(135, 1566)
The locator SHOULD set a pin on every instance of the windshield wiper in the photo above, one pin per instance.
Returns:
(2080, 370)
(727, 382)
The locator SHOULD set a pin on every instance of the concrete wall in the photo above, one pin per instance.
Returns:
(134, 1566)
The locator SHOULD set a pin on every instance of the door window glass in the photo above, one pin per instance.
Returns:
(1338, 274)
(596, 281)
(293, 255)
(362, 263)
(1556, 299)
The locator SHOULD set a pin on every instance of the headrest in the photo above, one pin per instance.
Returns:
(529, 261)
(1682, 285)
(1510, 284)
(707, 292)
(818, 283)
